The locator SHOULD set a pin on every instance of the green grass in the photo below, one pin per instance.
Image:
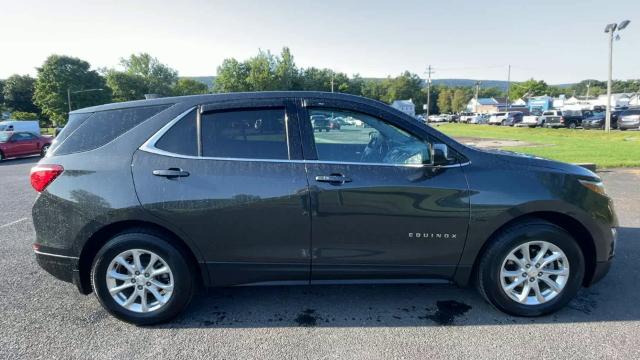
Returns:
(616, 149)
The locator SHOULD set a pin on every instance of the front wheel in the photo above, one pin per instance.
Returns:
(572, 126)
(141, 278)
(531, 269)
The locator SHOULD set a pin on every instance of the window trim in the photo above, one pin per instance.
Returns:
(149, 146)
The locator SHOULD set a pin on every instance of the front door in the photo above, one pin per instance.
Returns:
(237, 192)
(379, 210)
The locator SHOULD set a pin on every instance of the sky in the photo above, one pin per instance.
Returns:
(558, 41)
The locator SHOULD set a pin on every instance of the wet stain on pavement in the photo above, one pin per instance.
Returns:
(447, 312)
(307, 318)
(584, 302)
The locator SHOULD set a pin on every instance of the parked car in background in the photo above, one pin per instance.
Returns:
(150, 193)
(629, 119)
(22, 143)
(598, 119)
(320, 122)
(497, 118)
(530, 121)
(420, 118)
(32, 126)
(454, 118)
(512, 118)
(565, 118)
(478, 119)
(552, 119)
(465, 116)
(334, 125)
(437, 118)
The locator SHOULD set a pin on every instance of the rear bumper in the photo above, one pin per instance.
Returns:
(62, 267)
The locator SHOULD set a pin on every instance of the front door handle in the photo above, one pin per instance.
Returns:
(171, 173)
(333, 179)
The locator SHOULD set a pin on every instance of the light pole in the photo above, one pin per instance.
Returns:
(69, 92)
(611, 29)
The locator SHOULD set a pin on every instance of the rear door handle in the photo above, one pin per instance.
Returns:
(333, 179)
(171, 173)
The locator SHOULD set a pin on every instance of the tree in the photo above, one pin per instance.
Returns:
(189, 87)
(261, 75)
(232, 76)
(18, 93)
(158, 77)
(445, 96)
(528, 88)
(1, 94)
(125, 86)
(286, 72)
(459, 100)
(23, 115)
(61, 73)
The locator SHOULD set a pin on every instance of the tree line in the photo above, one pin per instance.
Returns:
(47, 96)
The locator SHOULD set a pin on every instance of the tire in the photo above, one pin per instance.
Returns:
(572, 125)
(44, 150)
(1, 156)
(182, 277)
(490, 282)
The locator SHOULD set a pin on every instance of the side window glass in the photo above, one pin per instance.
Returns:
(246, 134)
(181, 137)
(347, 136)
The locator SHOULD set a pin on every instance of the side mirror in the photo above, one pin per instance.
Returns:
(439, 154)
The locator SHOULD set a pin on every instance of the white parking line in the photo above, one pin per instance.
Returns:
(13, 223)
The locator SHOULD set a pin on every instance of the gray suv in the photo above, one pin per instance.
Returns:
(145, 202)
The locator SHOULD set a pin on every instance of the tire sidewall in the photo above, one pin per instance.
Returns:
(550, 233)
(182, 277)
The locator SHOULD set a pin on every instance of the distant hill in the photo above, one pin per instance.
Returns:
(501, 84)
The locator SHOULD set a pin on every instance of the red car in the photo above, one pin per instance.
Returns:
(16, 144)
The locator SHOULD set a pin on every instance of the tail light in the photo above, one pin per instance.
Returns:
(561, 119)
(43, 175)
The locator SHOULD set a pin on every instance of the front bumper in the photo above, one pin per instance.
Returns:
(629, 125)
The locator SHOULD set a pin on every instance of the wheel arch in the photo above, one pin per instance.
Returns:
(100, 237)
(570, 224)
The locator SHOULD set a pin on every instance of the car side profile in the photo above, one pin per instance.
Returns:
(22, 143)
(144, 202)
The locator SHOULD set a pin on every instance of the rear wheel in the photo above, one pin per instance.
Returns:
(141, 278)
(531, 269)
(44, 150)
(572, 125)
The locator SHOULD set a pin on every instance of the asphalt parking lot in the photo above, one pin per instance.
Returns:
(41, 317)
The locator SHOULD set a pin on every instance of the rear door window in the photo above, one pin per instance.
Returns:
(245, 134)
(104, 126)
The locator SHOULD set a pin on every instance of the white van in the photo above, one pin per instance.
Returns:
(31, 126)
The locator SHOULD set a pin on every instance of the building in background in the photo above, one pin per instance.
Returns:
(538, 104)
(406, 106)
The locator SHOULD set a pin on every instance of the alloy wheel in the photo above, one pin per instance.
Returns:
(140, 280)
(534, 273)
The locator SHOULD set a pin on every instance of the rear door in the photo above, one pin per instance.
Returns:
(231, 177)
(377, 211)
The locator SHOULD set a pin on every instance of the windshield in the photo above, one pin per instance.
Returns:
(4, 137)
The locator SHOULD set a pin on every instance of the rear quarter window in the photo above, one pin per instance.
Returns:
(181, 138)
(101, 128)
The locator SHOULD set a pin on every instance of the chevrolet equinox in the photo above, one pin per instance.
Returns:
(143, 202)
